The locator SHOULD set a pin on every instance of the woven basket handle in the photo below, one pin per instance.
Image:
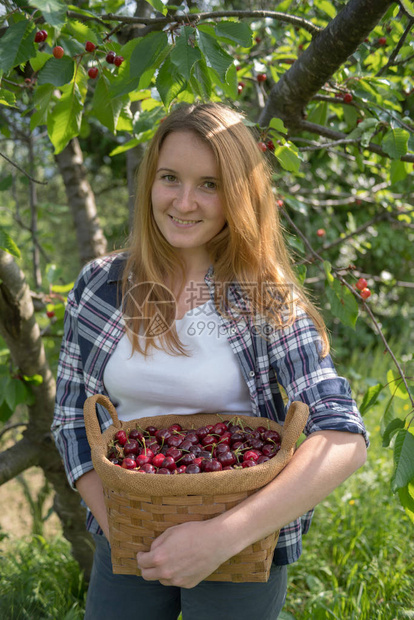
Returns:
(93, 429)
(296, 418)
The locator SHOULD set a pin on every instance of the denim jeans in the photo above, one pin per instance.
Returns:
(128, 596)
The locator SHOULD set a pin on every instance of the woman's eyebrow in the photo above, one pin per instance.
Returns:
(175, 172)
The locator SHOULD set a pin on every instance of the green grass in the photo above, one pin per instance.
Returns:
(357, 561)
(40, 581)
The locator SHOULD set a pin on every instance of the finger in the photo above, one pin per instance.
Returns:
(151, 574)
(145, 560)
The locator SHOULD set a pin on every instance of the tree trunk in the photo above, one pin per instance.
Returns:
(21, 333)
(81, 199)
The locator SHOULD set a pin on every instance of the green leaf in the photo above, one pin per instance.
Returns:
(57, 71)
(278, 125)
(301, 273)
(62, 288)
(215, 56)
(343, 303)
(5, 412)
(158, 6)
(6, 182)
(403, 460)
(328, 270)
(33, 379)
(64, 121)
(395, 425)
(396, 385)
(7, 244)
(39, 60)
(104, 107)
(17, 45)
(142, 57)
(42, 98)
(239, 32)
(185, 54)
(406, 495)
(53, 11)
(148, 53)
(327, 7)
(319, 114)
(370, 398)
(169, 82)
(288, 158)
(148, 119)
(398, 171)
(7, 98)
(201, 81)
(395, 141)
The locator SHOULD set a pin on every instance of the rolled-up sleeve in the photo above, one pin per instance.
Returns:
(68, 423)
(307, 377)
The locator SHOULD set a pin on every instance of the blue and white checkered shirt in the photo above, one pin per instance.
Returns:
(287, 357)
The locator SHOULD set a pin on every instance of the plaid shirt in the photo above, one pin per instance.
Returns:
(288, 356)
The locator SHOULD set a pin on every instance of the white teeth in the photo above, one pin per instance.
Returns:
(184, 221)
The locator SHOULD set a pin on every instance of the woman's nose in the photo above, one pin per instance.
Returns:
(185, 199)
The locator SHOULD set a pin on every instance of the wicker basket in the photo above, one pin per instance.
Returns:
(141, 507)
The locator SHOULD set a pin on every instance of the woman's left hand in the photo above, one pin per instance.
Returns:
(183, 555)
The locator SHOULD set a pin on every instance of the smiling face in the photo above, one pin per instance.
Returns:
(186, 201)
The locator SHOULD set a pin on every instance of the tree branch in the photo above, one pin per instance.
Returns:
(13, 461)
(196, 17)
(397, 48)
(338, 135)
(13, 163)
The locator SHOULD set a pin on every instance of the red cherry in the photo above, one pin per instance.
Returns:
(50, 314)
(163, 470)
(213, 465)
(58, 51)
(238, 68)
(382, 41)
(361, 284)
(192, 469)
(270, 145)
(93, 72)
(359, 120)
(129, 463)
(89, 46)
(262, 146)
(175, 427)
(110, 57)
(169, 463)
(261, 77)
(348, 97)
(40, 36)
(118, 61)
(365, 293)
(251, 455)
(147, 468)
(142, 460)
(158, 460)
(321, 232)
(131, 447)
(280, 204)
(151, 430)
(136, 434)
(121, 437)
(258, 39)
(248, 463)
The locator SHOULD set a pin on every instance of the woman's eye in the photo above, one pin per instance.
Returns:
(210, 185)
(169, 177)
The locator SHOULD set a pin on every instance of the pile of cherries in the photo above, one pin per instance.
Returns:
(174, 450)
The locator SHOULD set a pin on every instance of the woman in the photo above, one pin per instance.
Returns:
(211, 319)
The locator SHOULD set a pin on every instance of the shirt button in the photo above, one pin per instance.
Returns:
(233, 330)
(252, 373)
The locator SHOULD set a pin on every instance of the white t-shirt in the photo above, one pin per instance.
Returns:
(209, 380)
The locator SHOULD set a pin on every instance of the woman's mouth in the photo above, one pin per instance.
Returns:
(181, 222)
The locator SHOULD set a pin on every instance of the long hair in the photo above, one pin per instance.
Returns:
(250, 250)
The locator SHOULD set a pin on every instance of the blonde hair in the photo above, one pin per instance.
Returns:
(249, 249)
